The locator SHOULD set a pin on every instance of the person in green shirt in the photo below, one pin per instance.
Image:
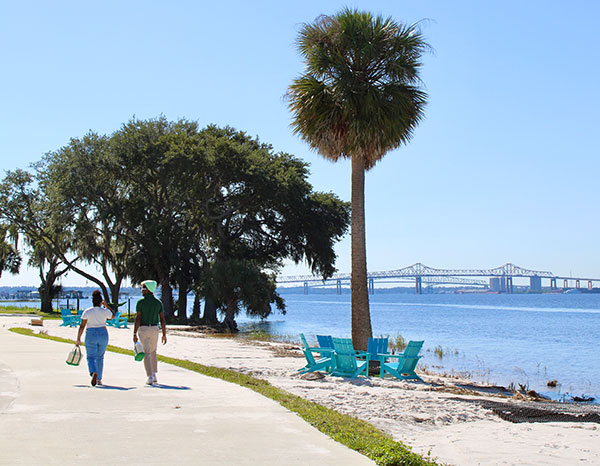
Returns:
(149, 312)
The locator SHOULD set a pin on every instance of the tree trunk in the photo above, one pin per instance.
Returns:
(230, 313)
(114, 289)
(196, 307)
(45, 298)
(361, 316)
(210, 310)
(166, 296)
(182, 300)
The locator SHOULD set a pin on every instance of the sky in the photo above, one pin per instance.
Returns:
(503, 168)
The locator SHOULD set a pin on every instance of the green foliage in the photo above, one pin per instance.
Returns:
(233, 282)
(354, 433)
(175, 203)
(263, 206)
(359, 94)
(10, 259)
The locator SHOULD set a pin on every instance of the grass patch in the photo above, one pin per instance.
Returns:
(347, 430)
(29, 311)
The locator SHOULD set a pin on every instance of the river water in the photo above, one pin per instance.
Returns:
(523, 339)
(526, 339)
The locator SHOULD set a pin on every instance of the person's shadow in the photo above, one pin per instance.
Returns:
(106, 387)
(168, 387)
(114, 387)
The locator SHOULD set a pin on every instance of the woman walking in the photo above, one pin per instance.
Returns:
(96, 336)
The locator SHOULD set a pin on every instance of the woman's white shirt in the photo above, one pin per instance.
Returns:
(96, 316)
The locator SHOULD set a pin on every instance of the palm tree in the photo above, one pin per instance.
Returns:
(10, 259)
(358, 98)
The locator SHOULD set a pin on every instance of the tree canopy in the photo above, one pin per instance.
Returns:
(211, 210)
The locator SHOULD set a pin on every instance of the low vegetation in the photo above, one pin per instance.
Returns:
(347, 430)
(29, 311)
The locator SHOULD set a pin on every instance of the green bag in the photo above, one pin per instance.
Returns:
(138, 351)
(74, 357)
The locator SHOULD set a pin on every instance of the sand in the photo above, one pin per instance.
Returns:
(443, 417)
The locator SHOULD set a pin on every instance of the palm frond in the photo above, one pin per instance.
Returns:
(360, 94)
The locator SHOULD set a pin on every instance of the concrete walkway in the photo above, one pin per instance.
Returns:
(49, 414)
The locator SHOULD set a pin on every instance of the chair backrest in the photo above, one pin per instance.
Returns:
(376, 346)
(345, 356)
(325, 341)
(65, 312)
(410, 357)
(412, 349)
(307, 352)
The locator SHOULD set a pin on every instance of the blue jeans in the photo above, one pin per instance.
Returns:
(96, 341)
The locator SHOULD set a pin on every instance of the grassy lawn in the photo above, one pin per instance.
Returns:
(347, 430)
(8, 309)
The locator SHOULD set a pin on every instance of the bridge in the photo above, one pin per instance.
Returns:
(498, 278)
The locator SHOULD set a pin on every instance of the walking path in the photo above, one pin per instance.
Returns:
(49, 414)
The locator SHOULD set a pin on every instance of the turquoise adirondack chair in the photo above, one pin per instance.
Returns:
(377, 346)
(68, 319)
(346, 359)
(117, 321)
(404, 367)
(324, 363)
(325, 341)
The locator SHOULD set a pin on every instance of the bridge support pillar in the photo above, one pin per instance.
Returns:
(509, 285)
(566, 284)
(338, 287)
(305, 287)
(589, 284)
(553, 283)
(418, 285)
(577, 284)
(371, 286)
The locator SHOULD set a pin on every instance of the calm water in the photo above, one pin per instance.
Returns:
(495, 338)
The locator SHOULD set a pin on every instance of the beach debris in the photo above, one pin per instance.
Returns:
(552, 383)
(583, 399)
(316, 375)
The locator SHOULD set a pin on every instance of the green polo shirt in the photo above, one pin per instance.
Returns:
(149, 308)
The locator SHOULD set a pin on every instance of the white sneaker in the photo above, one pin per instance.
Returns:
(154, 379)
(150, 380)
(99, 383)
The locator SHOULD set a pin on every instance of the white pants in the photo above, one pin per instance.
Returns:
(149, 339)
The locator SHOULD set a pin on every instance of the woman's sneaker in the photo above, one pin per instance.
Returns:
(150, 380)
(99, 383)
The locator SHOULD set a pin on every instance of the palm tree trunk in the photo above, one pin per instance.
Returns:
(361, 316)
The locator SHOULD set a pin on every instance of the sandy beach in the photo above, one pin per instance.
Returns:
(448, 419)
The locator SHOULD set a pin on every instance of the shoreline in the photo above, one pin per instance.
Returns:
(452, 419)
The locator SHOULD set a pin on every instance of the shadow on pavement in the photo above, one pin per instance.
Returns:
(106, 387)
(168, 387)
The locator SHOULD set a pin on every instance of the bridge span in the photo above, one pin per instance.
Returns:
(498, 278)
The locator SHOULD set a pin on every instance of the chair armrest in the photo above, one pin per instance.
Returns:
(363, 354)
(384, 356)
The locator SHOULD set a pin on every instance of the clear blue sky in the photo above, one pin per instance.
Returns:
(503, 169)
